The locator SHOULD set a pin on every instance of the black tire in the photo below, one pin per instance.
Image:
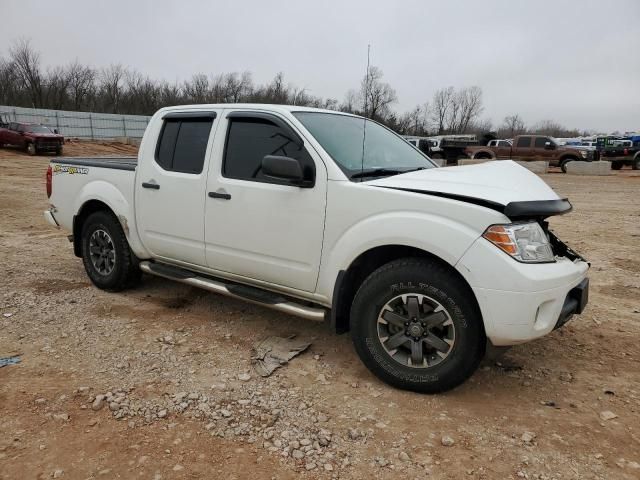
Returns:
(120, 268)
(59, 151)
(616, 165)
(433, 281)
(31, 149)
(483, 156)
(636, 163)
(438, 156)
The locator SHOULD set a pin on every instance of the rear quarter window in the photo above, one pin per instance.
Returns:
(183, 144)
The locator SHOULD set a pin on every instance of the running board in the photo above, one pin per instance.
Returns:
(234, 290)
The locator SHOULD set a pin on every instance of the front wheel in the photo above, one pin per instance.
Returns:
(106, 255)
(415, 325)
(616, 165)
(564, 161)
(636, 163)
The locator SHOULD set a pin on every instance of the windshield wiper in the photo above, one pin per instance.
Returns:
(382, 172)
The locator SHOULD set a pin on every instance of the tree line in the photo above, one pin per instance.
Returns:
(25, 82)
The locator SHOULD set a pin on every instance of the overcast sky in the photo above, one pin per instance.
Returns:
(572, 61)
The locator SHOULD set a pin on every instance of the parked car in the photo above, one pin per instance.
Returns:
(32, 137)
(621, 154)
(499, 143)
(296, 209)
(533, 147)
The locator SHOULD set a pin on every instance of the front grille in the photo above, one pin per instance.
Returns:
(48, 144)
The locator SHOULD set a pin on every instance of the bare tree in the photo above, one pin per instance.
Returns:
(350, 103)
(376, 96)
(512, 125)
(470, 107)
(198, 89)
(81, 84)
(56, 85)
(442, 104)
(26, 62)
(9, 89)
(554, 129)
(111, 87)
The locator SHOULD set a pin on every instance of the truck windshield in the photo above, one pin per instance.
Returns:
(362, 149)
(36, 129)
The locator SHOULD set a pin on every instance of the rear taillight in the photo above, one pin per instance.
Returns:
(49, 175)
(626, 152)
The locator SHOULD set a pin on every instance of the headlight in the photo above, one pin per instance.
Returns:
(526, 242)
(584, 153)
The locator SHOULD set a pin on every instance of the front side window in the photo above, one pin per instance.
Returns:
(540, 141)
(249, 140)
(183, 144)
(360, 147)
(524, 142)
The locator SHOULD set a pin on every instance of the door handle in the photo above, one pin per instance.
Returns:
(223, 196)
(153, 186)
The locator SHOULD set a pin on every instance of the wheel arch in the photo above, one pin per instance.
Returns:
(87, 208)
(483, 154)
(349, 280)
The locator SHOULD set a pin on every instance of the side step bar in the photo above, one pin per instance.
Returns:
(246, 293)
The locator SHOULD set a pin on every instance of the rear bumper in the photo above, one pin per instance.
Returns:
(48, 215)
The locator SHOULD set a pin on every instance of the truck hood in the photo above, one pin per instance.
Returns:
(44, 135)
(497, 184)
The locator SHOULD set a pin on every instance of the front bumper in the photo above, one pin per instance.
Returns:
(521, 302)
(575, 303)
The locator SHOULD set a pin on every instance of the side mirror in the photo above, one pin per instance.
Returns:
(55, 130)
(549, 146)
(285, 169)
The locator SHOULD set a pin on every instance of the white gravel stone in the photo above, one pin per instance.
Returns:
(447, 441)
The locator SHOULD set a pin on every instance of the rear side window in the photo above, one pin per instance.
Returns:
(183, 144)
(524, 142)
(540, 141)
(249, 140)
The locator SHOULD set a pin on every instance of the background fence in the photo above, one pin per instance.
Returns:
(94, 126)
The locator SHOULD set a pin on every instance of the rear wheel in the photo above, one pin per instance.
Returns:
(483, 156)
(636, 163)
(616, 165)
(106, 255)
(31, 148)
(59, 150)
(415, 325)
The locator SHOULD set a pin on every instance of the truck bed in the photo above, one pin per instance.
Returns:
(118, 163)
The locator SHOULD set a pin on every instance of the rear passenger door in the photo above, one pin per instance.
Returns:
(256, 227)
(522, 148)
(170, 187)
(502, 149)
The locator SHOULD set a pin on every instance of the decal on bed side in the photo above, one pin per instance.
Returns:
(71, 170)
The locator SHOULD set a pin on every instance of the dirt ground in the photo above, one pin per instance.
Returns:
(173, 360)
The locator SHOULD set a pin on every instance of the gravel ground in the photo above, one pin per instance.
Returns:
(156, 382)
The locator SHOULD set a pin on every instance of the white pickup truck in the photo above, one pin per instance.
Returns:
(329, 216)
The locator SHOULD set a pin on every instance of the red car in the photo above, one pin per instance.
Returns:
(32, 137)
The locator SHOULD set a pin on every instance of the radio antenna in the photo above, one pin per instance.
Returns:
(366, 98)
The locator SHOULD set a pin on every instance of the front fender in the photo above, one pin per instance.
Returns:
(437, 235)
